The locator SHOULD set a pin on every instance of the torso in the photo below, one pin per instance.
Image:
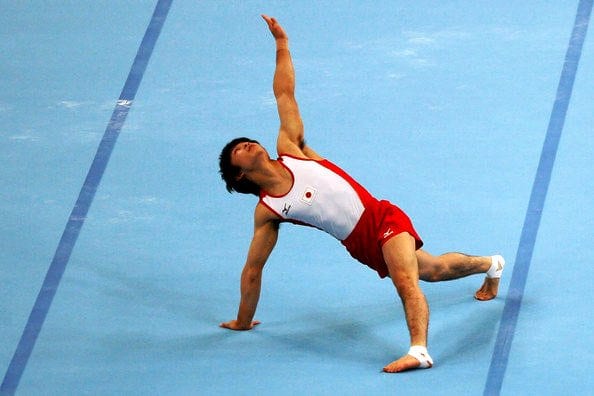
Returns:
(321, 195)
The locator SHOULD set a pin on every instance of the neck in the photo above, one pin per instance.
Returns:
(273, 178)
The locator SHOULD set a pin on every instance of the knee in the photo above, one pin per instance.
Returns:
(430, 276)
(433, 272)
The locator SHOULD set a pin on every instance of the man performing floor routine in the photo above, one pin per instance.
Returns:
(303, 188)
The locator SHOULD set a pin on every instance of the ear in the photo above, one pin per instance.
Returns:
(240, 176)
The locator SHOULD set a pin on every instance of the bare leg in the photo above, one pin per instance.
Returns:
(399, 254)
(451, 266)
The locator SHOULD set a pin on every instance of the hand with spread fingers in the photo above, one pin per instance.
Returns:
(235, 325)
(275, 28)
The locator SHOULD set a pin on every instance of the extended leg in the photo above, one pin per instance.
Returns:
(399, 254)
(451, 266)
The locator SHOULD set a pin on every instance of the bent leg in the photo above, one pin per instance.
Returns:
(451, 266)
(400, 257)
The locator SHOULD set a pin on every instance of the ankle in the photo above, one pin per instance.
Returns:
(496, 267)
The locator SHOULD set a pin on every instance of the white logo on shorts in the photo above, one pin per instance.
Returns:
(388, 233)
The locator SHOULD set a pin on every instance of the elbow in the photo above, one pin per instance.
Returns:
(252, 279)
(251, 276)
(284, 93)
(284, 87)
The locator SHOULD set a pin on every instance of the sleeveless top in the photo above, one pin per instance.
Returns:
(322, 196)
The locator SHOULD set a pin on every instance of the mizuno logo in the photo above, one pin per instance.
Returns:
(286, 209)
(388, 233)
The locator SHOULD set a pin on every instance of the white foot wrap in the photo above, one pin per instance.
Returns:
(497, 264)
(420, 353)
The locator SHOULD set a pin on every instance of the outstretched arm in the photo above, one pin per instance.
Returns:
(263, 241)
(291, 137)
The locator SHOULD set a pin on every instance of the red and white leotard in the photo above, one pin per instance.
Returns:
(326, 197)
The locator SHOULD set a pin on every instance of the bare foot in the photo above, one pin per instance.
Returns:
(406, 362)
(488, 290)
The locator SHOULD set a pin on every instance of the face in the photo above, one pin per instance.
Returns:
(245, 154)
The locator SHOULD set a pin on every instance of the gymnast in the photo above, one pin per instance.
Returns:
(303, 188)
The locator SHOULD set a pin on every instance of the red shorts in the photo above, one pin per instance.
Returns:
(379, 222)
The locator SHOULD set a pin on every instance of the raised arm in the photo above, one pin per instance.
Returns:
(291, 137)
(263, 241)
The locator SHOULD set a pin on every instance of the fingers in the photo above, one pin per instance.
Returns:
(232, 325)
(270, 21)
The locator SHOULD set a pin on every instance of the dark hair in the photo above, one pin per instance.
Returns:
(230, 172)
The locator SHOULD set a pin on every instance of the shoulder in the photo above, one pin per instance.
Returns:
(302, 150)
(285, 145)
(265, 216)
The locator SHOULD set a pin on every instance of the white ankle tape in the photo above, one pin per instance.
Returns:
(420, 353)
(497, 264)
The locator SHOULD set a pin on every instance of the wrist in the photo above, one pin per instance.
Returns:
(244, 318)
(282, 43)
(241, 325)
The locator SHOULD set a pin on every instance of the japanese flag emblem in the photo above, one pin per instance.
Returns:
(308, 195)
